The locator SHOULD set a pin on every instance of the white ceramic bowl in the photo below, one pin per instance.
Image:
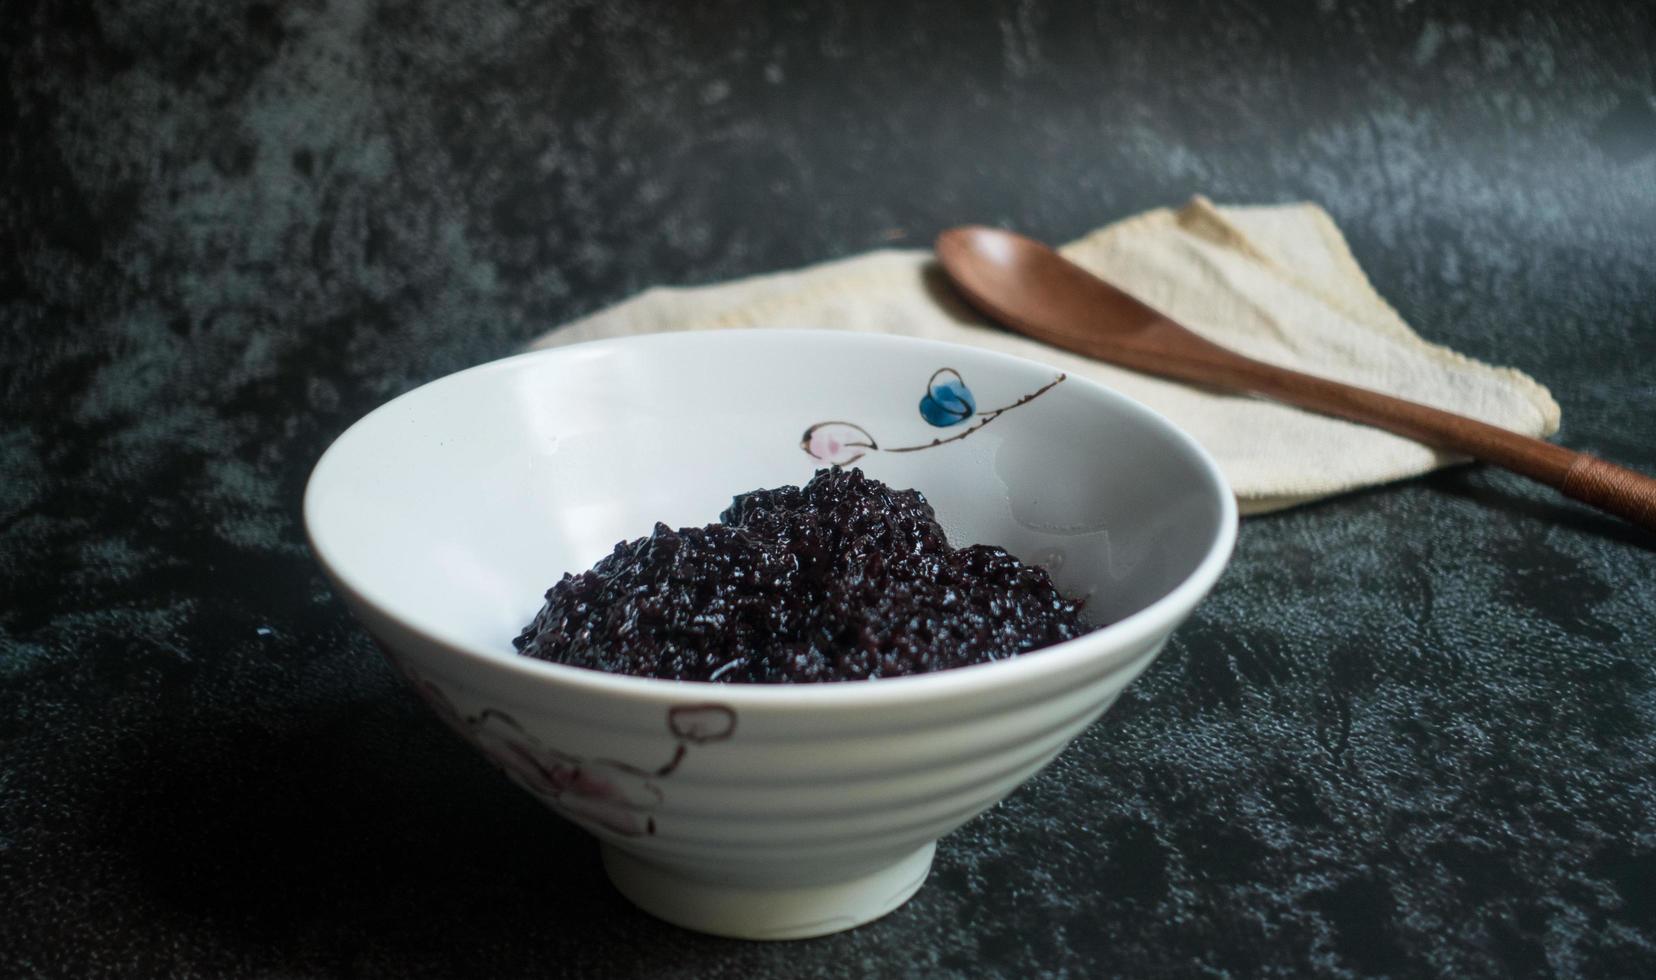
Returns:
(760, 811)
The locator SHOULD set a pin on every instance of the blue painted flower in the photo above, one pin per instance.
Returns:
(947, 400)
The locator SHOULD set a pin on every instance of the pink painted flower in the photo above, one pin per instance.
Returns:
(603, 793)
(599, 794)
(589, 791)
(837, 443)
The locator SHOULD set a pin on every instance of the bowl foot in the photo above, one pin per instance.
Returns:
(767, 913)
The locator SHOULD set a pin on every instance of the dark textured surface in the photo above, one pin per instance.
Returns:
(1412, 731)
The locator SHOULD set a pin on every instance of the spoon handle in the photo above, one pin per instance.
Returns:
(1616, 489)
(1593, 481)
(1037, 292)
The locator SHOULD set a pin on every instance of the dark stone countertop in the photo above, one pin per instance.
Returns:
(1412, 732)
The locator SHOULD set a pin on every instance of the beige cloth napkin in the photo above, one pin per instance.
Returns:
(1277, 283)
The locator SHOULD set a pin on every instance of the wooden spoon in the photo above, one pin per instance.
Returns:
(1034, 290)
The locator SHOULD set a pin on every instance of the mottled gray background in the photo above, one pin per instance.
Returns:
(1411, 732)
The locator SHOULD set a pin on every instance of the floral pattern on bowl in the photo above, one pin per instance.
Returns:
(597, 793)
(947, 403)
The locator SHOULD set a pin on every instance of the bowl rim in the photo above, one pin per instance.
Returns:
(1123, 636)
